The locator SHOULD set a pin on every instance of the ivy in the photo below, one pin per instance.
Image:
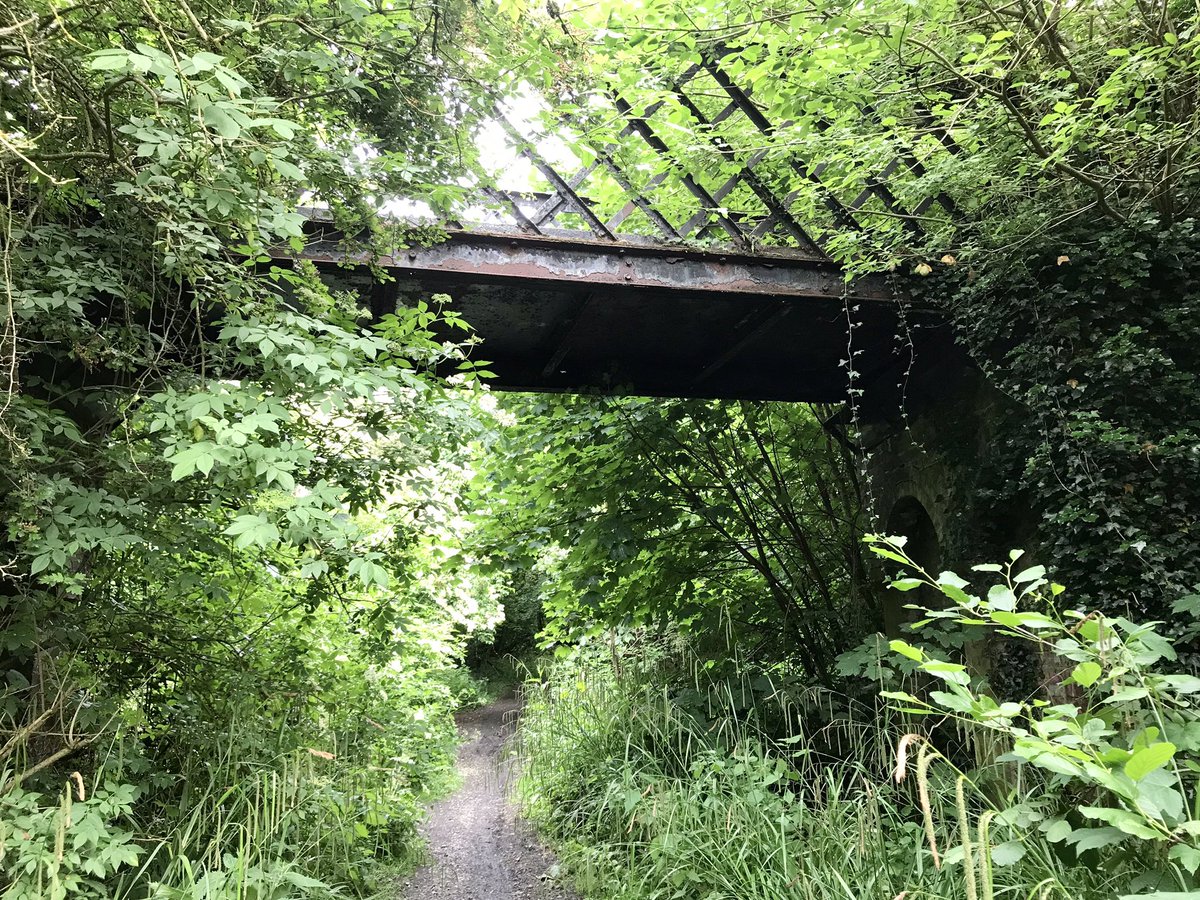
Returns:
(1096, 340)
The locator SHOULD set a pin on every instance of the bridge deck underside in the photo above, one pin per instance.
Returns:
(565, 315)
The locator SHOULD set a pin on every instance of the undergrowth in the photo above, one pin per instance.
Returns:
(317, 795)
(657, 778)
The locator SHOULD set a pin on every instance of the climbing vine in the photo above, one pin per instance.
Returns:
(1095, 343)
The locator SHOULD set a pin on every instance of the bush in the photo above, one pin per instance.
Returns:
(1111, 743)
(292, 783)
(1087, 791)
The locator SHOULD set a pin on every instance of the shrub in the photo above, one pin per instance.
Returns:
(1085, 791)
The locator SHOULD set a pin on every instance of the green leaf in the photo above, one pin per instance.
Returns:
(195, 458)
(1033, 573)
(288, 170)
(889, 554)
(219, 120)
(1188, 605)
(1086, 674)
(1084, 839)
(1148, 759)
(900, 695)
(906, 649)
(1008, 853)
(1181, 684)
(952, 672)
(957, 702)
(1127, 695)
(205, 61)
(252, 530)
(1021, 620)
(1057, 831)
(1001, 597)
(108, 60)
(304, 881)
(1052, 762)
(950, 579)
(1123, 819)
(1157, 797)
(1186, 856)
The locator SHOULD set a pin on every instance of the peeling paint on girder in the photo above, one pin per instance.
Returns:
(491, 257)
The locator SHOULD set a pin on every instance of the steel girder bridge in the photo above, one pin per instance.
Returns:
(667, 270)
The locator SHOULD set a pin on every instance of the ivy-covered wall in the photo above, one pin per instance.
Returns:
(1079, 436)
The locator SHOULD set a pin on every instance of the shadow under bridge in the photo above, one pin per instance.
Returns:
(564, 313)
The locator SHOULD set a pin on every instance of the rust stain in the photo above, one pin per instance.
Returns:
(550, 260)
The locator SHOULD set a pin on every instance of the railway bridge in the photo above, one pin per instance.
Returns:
(633, 263)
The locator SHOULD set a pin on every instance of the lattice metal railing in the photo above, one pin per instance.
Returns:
(694, 158)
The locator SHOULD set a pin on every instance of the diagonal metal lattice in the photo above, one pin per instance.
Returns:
(659, 234)
(644, 182)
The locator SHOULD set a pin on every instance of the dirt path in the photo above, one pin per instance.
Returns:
(480, 849)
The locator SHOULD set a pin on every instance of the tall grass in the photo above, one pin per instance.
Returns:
(253, 812)
(293, 826)
(648, 797)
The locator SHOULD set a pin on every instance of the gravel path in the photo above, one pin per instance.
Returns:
(480, 849)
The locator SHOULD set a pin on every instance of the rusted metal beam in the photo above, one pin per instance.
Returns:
(570, 312)
(490, 257)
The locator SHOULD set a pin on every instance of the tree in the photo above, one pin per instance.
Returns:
(719, 518)
(192, 426)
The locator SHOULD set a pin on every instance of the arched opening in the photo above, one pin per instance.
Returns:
(910, 519)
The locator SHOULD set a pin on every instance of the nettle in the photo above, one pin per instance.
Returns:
(1116, 733)
(52, 850)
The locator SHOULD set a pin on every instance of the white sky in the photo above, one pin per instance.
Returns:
(501, 160)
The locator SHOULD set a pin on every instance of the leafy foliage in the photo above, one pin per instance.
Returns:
(1123, 736)
(1097, 342)
(1087, 791)
(719, 518)
(652, 796)
(216, 604)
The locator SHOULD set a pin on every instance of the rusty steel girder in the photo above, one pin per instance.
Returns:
(568, 312)
(479, 255)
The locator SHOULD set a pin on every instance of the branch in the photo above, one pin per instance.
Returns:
(73, 747)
